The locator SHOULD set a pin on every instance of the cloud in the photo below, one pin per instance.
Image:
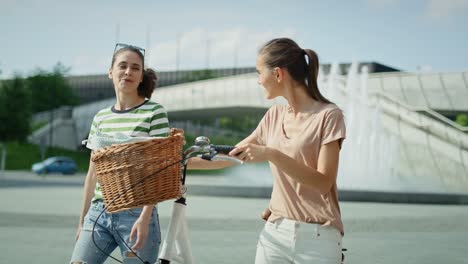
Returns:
(199, 48)
(431, 9)
(381, 4)
(9, 6)
(85, 64)
(438, 9)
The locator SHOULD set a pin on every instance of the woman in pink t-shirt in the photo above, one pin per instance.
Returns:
(302, 142)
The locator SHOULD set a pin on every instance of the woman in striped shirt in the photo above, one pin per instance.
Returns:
(133, 114)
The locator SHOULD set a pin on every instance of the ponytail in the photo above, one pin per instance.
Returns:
(149, 83)
(312, 76)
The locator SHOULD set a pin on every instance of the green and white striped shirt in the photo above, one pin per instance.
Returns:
(146, 120)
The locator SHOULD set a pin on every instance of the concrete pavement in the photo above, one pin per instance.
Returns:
(38, 218)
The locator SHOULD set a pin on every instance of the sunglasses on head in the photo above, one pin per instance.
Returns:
(120, 46)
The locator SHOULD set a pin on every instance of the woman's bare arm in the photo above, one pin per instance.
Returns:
(201, 164)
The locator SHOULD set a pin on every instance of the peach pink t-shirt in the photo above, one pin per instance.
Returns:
(289, 198)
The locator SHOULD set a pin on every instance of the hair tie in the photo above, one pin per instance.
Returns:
(307, 58)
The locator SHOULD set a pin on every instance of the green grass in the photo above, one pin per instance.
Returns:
(462, 119)
(21, 156)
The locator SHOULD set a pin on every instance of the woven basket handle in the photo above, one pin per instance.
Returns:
(109, 150)
(97, 154)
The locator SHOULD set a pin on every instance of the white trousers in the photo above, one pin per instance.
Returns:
(287, 241)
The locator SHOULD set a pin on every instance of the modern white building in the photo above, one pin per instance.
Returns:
(397, 140)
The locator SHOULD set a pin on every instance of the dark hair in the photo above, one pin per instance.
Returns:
(149, 83)
(285, 53)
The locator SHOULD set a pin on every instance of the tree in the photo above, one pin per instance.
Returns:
(15, 114)
(15, 110)
(50, 89)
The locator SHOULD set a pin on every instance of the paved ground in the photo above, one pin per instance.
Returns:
(38, 219)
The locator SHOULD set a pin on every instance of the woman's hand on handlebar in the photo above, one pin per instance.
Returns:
(178, 132)
(250, 152)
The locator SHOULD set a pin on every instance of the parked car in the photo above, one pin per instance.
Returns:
(64, 165)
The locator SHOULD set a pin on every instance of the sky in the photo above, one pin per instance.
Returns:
(416, 35)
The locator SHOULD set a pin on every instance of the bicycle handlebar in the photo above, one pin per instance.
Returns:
(208, 151)
(223, 149)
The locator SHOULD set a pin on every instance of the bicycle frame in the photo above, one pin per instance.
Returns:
(176, 247)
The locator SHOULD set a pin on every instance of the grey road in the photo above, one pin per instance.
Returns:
(38, 218)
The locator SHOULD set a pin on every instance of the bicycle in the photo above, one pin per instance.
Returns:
(176, 246)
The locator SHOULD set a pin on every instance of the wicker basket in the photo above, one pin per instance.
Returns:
(123, 165)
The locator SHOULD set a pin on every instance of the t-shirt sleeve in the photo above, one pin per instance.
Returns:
(333, 127)
(159, 126)
(92, 132)
(260, 132)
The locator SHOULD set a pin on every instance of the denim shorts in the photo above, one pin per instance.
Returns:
(112, 231)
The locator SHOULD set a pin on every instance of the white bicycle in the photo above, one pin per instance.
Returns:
(176, 246)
